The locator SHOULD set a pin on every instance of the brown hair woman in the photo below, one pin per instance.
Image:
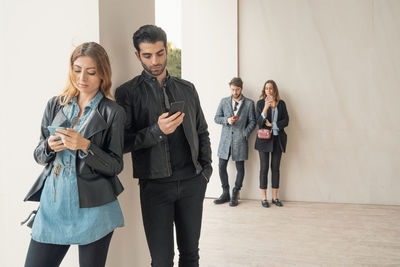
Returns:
(271, 113)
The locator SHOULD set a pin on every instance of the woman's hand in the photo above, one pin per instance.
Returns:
(271, 101)
(54, 143)
(267, 102)
(266, 106)
(268, 123)
(73, 140)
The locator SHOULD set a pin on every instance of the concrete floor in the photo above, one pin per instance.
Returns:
(299, 234)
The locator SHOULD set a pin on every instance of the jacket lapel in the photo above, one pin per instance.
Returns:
(279, 106)
(230, 106)
(60, 119)
(175, 93)
(96, 123)
(269, 114)
(242, 105)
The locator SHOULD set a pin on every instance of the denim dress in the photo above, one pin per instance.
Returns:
(59, 219)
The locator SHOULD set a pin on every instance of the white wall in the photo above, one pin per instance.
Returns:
(209, 60)
(119, 19)
(37, 39)
(40, 35)
(337, 66)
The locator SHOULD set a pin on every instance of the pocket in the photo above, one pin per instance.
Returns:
(244, 135)
(100, 159)
(89, 176)
(205, 178)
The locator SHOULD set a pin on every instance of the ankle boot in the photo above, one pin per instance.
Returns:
(234, 200)
(225, 197)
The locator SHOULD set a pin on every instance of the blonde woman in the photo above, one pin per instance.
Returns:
(81, 146)
(271, 114)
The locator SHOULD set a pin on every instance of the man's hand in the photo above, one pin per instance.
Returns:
(169, 124)
(232, 120)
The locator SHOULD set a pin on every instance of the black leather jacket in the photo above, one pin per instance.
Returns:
(141, 98)
(97, 179)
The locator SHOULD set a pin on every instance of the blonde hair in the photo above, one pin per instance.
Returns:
(103, 69)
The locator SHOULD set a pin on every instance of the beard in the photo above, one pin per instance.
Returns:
(155, 72)
(237, 96)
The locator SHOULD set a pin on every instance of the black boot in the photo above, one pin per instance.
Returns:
(235, 196)
(225, 197)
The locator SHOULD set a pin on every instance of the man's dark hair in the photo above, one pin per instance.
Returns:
(236, 82)
(149, 34)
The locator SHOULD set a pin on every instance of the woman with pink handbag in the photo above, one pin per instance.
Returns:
(272, 118)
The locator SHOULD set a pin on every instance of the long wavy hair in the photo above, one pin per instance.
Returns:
(275, 91)
(103, 69)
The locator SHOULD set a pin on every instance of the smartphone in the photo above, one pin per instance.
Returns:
(175, 107)
(52, 129)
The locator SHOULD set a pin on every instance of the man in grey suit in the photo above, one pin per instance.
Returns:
(237, 115)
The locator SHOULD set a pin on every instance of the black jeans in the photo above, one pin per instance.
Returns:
(166, 203)
(51, 255)
(276, 155)
(223, 174)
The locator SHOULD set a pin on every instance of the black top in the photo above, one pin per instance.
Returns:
(179, 151)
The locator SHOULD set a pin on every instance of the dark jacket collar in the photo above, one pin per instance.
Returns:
(95, 125)
(148, 77)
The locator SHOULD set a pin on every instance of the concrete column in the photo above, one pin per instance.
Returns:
(210, 61)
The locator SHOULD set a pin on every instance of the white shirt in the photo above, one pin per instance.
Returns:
(238, 106)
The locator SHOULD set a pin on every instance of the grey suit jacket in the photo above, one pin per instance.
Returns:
(235, 136)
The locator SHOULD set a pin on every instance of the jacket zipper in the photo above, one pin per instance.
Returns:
(166, 143)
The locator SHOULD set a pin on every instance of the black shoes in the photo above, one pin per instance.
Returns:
(225, 197)
(234, 200)
(265, 203)
(277, 202)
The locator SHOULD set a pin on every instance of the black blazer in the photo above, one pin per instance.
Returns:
(97, 179)
(266, 145)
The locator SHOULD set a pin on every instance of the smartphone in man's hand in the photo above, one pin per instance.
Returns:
(176, 107)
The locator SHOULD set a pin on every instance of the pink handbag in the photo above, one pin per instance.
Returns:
(264, 134)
